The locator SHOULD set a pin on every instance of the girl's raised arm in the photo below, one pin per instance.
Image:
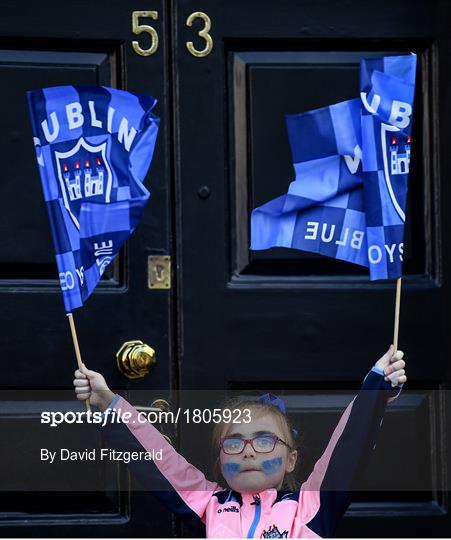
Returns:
(326, 494)
(176, 483)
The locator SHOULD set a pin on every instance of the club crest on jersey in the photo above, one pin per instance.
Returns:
(273, 532)
(396, 158)
(84, 174)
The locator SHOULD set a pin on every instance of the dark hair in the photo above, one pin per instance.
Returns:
(289, 481)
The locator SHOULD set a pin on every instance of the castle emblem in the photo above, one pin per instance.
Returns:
(396, 164)
(399, 160)
(84, 174)
(273, 532)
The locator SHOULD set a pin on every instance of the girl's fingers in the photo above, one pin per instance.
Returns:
(389, 370)
(398, 380)
(386, 357)
(82, 386)
(398, 377)
(396, 374)
(399, 364)
(397, 356)
(79, 375)
(88, 372)
(81, 382)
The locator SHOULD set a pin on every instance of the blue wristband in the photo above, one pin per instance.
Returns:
(113, 402)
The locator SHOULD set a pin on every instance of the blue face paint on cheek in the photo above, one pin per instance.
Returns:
(271, 466)
(230, 469)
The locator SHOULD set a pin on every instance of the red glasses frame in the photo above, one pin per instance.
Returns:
(245, 442)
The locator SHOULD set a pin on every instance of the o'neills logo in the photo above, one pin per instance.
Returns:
(228, 509)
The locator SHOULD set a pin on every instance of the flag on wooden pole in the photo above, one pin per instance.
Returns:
(351, 161)
(94, 146)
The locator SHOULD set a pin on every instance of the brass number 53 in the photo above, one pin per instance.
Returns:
(202, 33)
(144, 28)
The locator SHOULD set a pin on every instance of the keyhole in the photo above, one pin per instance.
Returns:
(159, 270)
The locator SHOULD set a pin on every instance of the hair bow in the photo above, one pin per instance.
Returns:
(277, 402)
(274, 400)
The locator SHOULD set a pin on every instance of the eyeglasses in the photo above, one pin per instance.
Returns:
(262, 444)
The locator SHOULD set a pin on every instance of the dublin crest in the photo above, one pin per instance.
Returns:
(84, 174)
(396, 157)
(273, 532)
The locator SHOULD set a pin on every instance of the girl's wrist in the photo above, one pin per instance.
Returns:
(106, 397)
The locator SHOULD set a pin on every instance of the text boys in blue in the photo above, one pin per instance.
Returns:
(351, 162)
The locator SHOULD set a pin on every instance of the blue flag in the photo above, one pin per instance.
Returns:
(94, 146)
(351, 162)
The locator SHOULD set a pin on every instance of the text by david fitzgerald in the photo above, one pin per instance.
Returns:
(101, 454)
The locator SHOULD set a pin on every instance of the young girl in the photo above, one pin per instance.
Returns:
(255, 459)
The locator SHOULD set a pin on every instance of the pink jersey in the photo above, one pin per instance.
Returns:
(313, 511)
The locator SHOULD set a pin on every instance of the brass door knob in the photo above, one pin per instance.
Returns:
(135, 359)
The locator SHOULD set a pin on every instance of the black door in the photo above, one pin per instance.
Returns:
(86, 43)
(225, 74)
(294, 322)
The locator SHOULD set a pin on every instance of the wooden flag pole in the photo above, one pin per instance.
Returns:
(397, 310)
(77, 350)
